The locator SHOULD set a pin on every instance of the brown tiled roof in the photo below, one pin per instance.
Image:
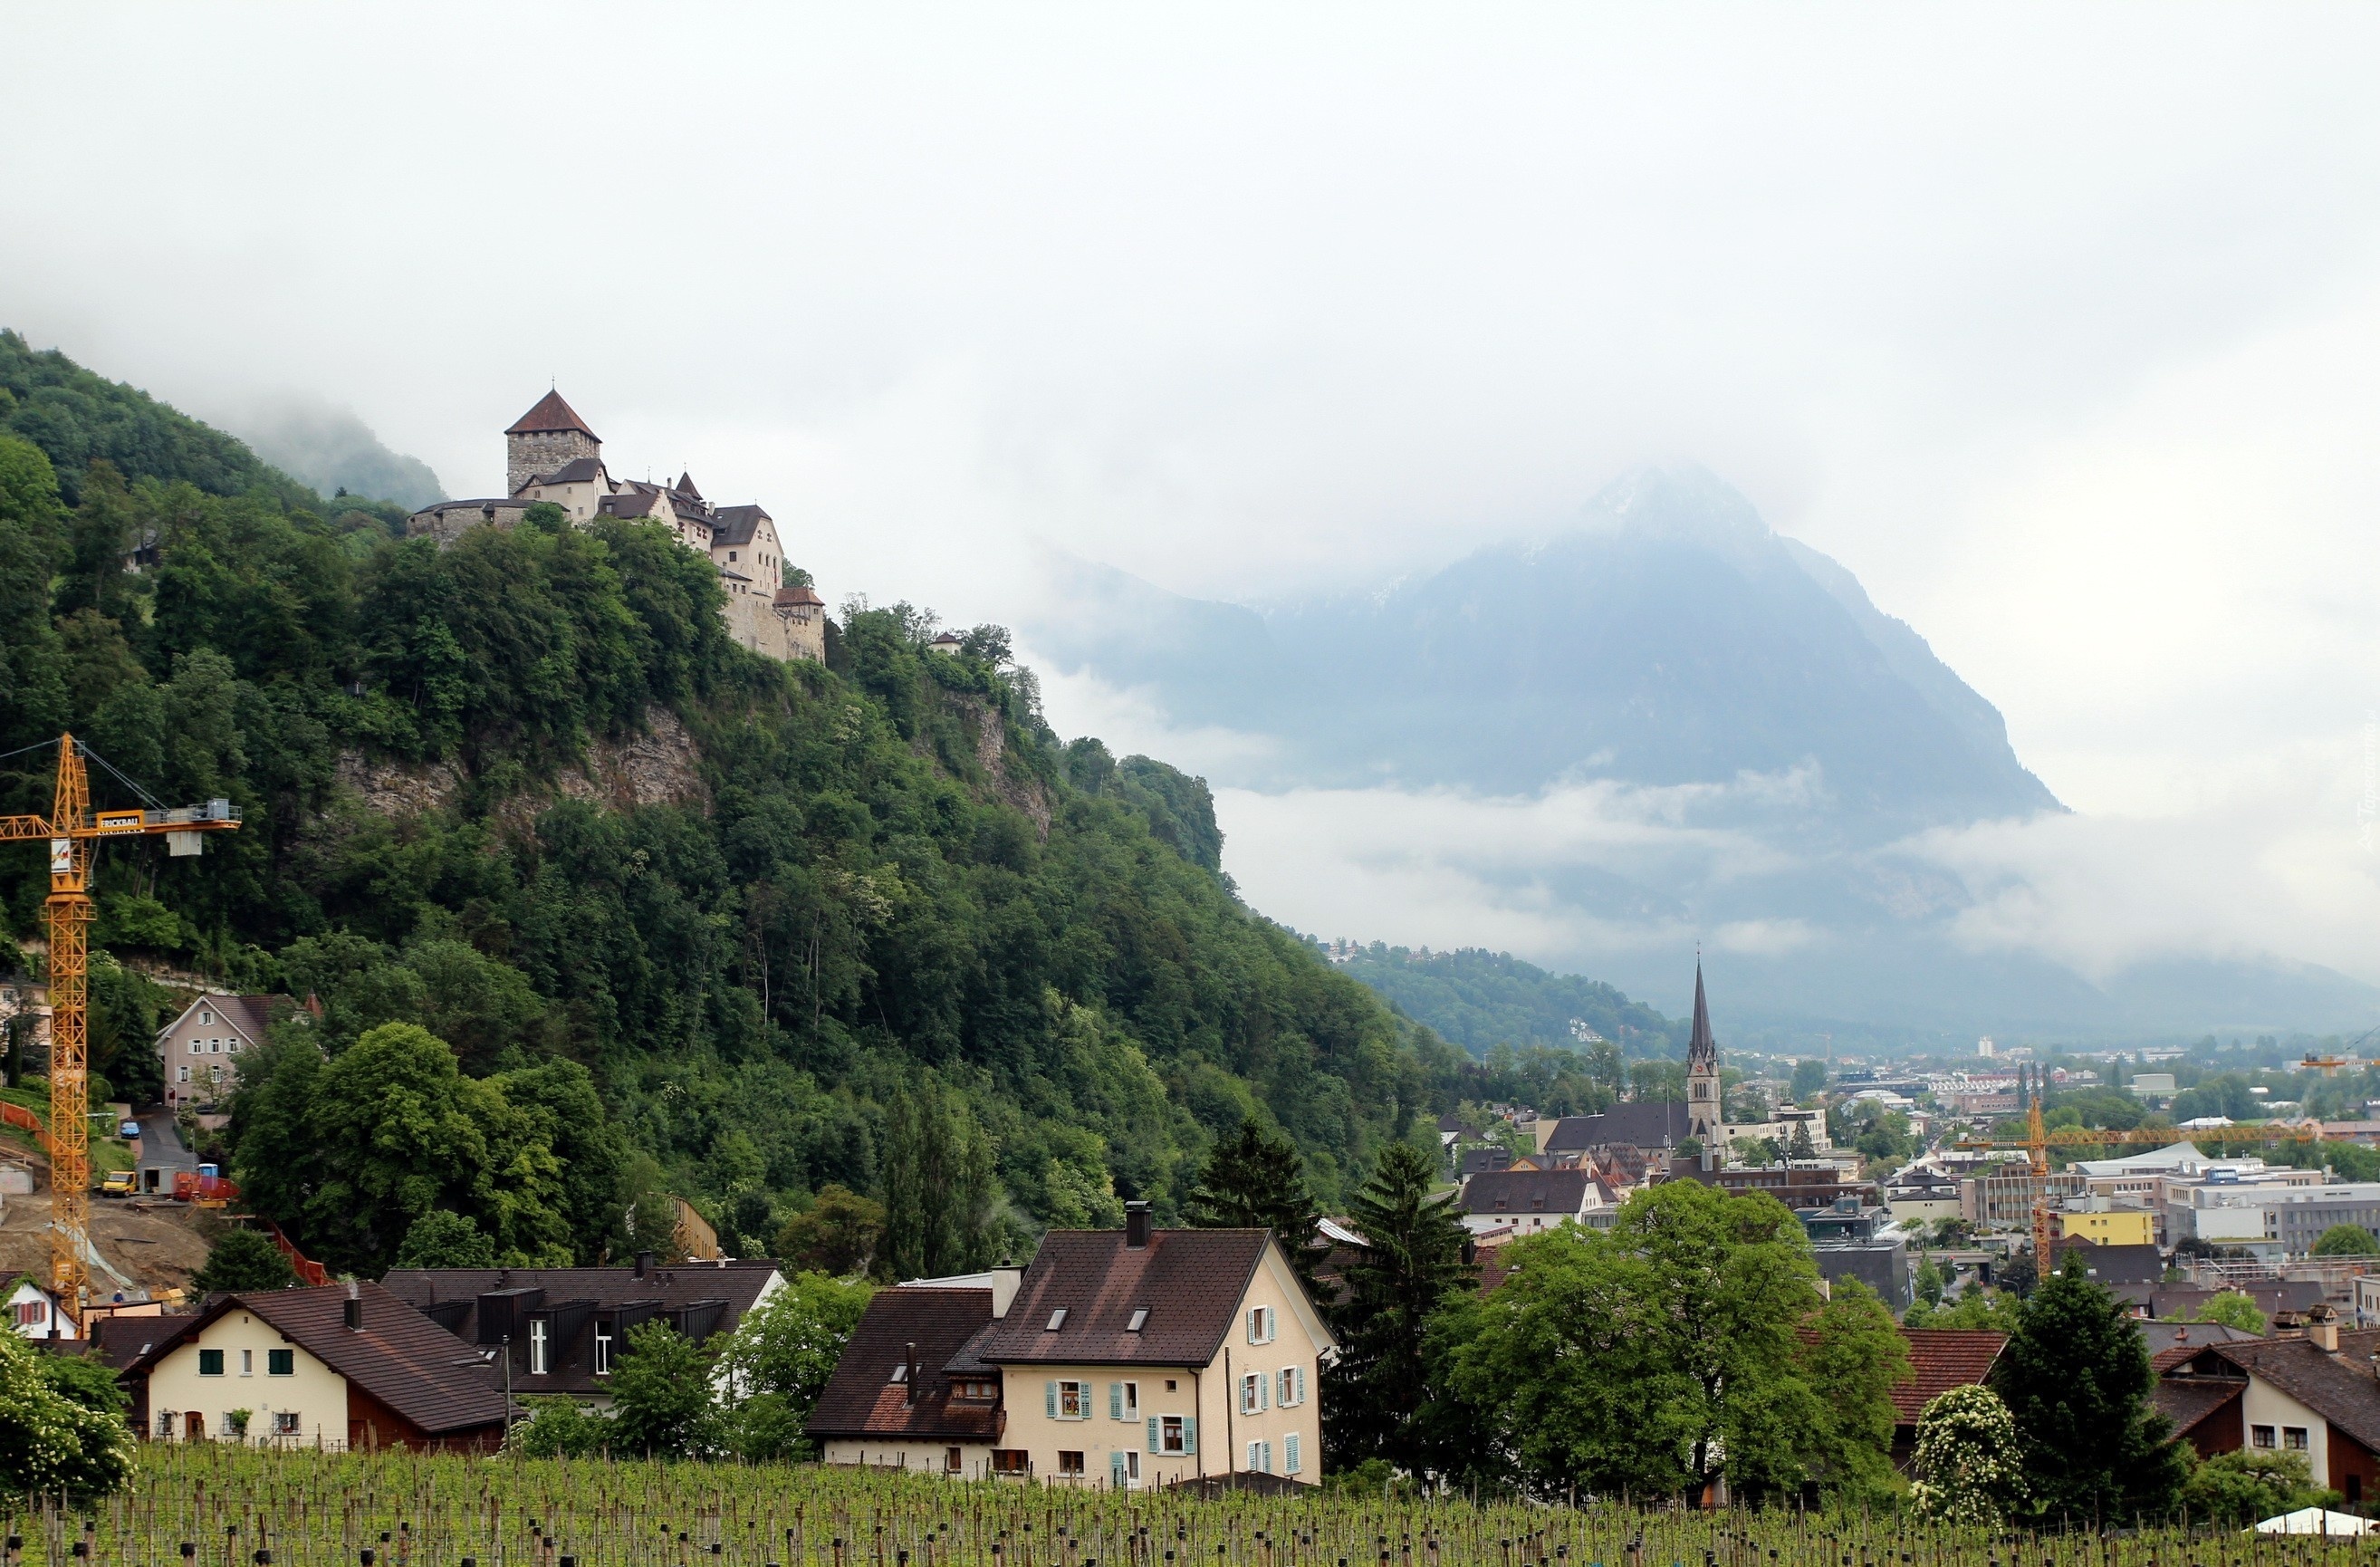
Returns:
(1192, 1282)
(551, 413)
(2340, 1388)
(1943, 1358)
(1641, 1123)
(399, 1356)
(1526, 1191)
(862, 1400)
(2187, 1402)
(797, 596)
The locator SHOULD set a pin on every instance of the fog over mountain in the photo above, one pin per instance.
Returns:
(333, 450)
(1667, 724)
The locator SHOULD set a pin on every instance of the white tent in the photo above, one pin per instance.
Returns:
(2314, 1521)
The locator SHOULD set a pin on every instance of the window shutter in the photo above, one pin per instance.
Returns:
(1263, 1403)
(1115, 1470)
(1116, 1404)
(1189, 1433)
(1152, 1433)
(1267, 1463)
(1291, 1454)
(1301, 1384)
(1050, 1395)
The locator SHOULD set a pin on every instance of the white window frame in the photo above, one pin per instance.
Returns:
(1260, 1457)
(287, 1423)
(1132, 1401)
(602, 1351)
(1132, 1466)
(1263, 1326)
(539, 1346)
(1289, 1385)
(1171, 1435)
(1252, 1394)
(248, 1363)
(1080, 1393)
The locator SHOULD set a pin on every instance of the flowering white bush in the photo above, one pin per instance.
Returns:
(1969, 1468)
(50, 1443)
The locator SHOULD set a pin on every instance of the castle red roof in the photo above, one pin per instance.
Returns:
(551, 413)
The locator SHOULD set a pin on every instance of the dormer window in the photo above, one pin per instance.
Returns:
(1139, 1319)
(900, 1372)
(1057, 1320)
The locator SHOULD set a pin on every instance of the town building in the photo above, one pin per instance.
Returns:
(2316, 1396)
(199, 1051)
(33, 1312)
(341, 1366)
(551, 455)
(1921, 1194)
(909, 1390)
(2272, 1220)
(1939, 1359)
(2109, 1226)
(1530, 1201)
(565, 1330)
(1135, 1358)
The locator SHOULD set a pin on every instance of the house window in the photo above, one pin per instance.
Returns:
(281, 1363)
(2259, 1436)
(1260, 1325)
(248, 1363)
(602, 1351)
(1139, 1319)
(1127, 1401)
(1289, 1385)
(205, 1017)
(1057, 1320)
(1260, 1457)
(1008, 1461)
(1171, 1436)
(1070, 1464)
(900, 1371)
(538, 1330)
(183, 1073)
(210, 1365)
(1252, 1389)
(285, 1423)
(1290, 1455)
(165, 1418)
(953, 1460)
(2294, 1437)
(229, 1429)
(1070, 1401)
(32, 1313)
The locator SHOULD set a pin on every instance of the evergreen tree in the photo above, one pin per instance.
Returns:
(244, 1260)
(1254, 1182)
(1802, 1146)
(2076, 1378)
(938, 1186)
(1929, 1280)
(1410, 1262)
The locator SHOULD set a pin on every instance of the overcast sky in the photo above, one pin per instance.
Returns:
(2059, 326)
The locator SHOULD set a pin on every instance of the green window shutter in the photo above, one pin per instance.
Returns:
(1115, 1401)
(1049, 1398)
(1189, 1433)
(1115, 1470)
(1268, 1468)
(1301, 1385)
(1152, 1433)
(1291, 1467)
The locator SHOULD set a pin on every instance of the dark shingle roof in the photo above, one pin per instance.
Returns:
(1642, 1123)
(2188, 1401)
(2340, 1388)
(737, 524)
(738, 1284)
(551, 413)
(1514, 1192)
(579, 470)
(1192, 1282)
(862, 1400)
(2112, 1264)
(399, 1357)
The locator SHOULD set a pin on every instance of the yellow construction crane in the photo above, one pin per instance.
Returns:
(72, 828)
(2038, 1142)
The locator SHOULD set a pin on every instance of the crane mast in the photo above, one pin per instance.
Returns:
(72, 831)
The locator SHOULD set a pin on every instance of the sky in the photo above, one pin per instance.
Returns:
(2059, 326)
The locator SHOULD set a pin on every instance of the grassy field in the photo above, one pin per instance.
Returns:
(219, 1506)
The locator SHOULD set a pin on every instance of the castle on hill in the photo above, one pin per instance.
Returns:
(551, 455)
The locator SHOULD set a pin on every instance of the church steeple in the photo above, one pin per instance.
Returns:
(1703, 1107)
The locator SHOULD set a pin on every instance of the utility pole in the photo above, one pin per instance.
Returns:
(72, 829)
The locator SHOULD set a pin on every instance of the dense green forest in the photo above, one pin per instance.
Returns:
(594, 906)
(1479, 999)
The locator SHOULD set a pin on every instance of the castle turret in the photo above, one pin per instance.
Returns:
(1704, 1120)
(544, 440)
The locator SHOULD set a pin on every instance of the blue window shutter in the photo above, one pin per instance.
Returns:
(1189, 1433)
(1301, 1384)
(1264, 1390)
(1049, 1396)
(1116, 1404)
(1291, 1467)
(1115, 1470)
(1152, 1433)
(1267, 1469)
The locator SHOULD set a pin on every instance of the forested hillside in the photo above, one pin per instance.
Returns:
(1479, 999)
(595, 907)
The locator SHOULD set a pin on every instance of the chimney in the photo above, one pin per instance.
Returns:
(909, 1383)
(2322, 1327)
(645, 1261)
(352, 1308)
(1136, 1225)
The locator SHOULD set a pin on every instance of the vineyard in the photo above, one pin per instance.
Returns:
(210, 1506)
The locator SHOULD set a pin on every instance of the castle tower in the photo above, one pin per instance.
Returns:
(1703, 1117)
(547, 438)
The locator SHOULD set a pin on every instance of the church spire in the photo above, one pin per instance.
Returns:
(1702, 1050)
